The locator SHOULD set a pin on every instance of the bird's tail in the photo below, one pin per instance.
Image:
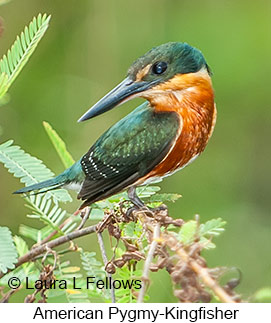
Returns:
(74, 174)
(47, 185)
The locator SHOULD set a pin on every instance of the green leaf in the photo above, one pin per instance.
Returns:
(29, 232)
(206, 230)
(213, 227)
(206, 243)
(132, 230)
(21, 245)
(4, 99)
(4, 2)
(50, 213)
(96, 214)
(124, 299)
(12, 63)
(34, 234)
(29, 169)
(22, 249)
(75, 297)
(263, 295)
(129, 230)
(126, 295)
(165, 197)
(3, 84)
(71, 269)
(94, 268)
(44, 209)
(59, 145)
(91, 265)
(28, 270)
(187, 232)
(147, 191)
(8, 252)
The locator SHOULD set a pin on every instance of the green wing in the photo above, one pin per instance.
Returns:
(127, 151)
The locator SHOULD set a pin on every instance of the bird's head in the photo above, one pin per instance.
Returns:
(169, 68)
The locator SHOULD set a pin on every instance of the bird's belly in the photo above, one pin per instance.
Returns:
(192, 140)
(157, 179)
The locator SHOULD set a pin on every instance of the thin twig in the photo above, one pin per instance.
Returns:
(105, 260)
(85, 212)
(52, 234)
(6, 297)
(152, 227)
(54, 253)
(60, 252)
(52, 244)
(145, 276)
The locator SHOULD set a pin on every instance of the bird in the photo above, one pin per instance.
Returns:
(161, 136)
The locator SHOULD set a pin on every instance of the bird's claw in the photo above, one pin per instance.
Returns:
(130, 213)
(147, 210)
(160, 208)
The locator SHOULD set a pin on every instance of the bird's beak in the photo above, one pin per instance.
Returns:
(123, 92)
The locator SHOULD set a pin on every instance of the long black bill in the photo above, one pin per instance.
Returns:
(122, 92)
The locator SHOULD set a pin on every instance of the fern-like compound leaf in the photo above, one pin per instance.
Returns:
(29, 169)
(212, 227)
(59, 145)
(3, 84)
(12, 63)
(8, 252)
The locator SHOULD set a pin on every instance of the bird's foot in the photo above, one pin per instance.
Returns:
(160, 208)
(130, 213)
(140, 206)
(151, 212)
(137, 202)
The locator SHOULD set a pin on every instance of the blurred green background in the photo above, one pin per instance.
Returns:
(87, 50)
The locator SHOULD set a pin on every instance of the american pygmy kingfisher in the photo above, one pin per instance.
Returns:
(158, 138)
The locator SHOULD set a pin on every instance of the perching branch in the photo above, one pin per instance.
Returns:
(186, 267)
(33, 253)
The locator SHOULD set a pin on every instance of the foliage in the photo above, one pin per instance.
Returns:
(133, 239)
(8, 253)
(57, 222)
(4, 2)
(17, 56)
(263, 295)
(166, 197)
(127, 295)
(29, 169)
(93, 268)
(131, 235)
(205, 231)
(59, 145)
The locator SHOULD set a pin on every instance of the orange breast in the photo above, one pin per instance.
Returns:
(198, 114)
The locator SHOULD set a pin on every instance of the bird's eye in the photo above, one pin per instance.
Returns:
(159, 67)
